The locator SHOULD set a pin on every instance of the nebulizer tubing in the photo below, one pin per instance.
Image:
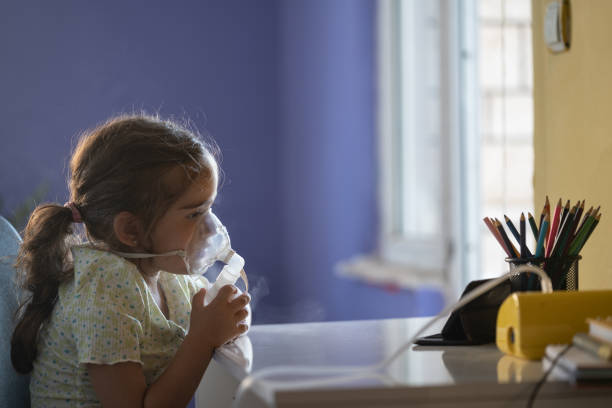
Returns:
(344, 374)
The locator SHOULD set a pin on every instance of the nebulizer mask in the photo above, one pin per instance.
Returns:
(210, 243)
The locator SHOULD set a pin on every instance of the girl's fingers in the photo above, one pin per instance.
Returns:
(227, 291)
(242, 314)
(198, 298)
(241, 301)
(225, 294)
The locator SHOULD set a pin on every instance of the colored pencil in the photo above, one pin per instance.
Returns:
(497, 236)
(553, 230)
(588, 235)
(563, 223)
(564, 233)
(523, 241)
(564, 218)
(545, 210)
(534, 227)
(512, 229)
(578, 216)
(573, 227)
(543, 230)
(516, 234)
(581, 235)
(584, 218)
(589, 217)
(579, 242)
(548, 231)
(565, 211)
(504, 236)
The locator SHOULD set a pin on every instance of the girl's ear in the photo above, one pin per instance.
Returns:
(127, 228)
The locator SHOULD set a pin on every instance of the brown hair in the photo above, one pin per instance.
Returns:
(118, 166)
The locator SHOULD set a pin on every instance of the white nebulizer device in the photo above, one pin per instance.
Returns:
(228, 276)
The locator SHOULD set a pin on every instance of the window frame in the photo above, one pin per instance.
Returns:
(449, 258)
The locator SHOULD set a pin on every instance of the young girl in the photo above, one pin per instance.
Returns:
(102, 329)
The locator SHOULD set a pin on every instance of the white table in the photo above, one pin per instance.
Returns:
(474, 376)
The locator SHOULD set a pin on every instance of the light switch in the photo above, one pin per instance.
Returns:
(557, 26)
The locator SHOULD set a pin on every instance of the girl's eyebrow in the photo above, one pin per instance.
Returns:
(196, 205)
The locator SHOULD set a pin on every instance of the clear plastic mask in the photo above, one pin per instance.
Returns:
(209, 244)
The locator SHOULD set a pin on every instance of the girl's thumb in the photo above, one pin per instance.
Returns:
(198, 298)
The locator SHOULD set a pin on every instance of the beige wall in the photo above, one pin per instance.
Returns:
(573, 125)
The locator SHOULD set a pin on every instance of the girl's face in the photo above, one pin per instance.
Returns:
(177, 227)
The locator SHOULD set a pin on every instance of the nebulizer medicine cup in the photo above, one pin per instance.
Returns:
(228, 275)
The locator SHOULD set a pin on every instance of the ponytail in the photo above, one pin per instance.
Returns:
(42, 265)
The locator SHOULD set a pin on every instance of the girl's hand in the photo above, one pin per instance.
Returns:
(247, 320)
(220, 320)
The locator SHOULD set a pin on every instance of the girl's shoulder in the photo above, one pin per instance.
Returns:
(93, 265)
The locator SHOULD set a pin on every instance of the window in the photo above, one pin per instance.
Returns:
(455, 129)
(427, 140)
(506, 118)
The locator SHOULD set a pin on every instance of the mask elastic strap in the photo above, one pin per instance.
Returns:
(136, 255)
(179, 252)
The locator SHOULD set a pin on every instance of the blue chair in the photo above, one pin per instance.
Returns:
(14, 388)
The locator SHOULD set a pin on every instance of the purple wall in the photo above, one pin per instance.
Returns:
(67, 66)
(329, 162)
(287, 88)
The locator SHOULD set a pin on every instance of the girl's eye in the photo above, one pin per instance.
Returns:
(195, 214)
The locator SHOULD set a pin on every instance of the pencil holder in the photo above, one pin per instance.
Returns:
(562, 271)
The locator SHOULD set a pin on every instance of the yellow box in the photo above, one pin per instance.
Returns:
(528, 321)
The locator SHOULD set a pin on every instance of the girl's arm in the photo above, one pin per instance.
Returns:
(123, 384)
